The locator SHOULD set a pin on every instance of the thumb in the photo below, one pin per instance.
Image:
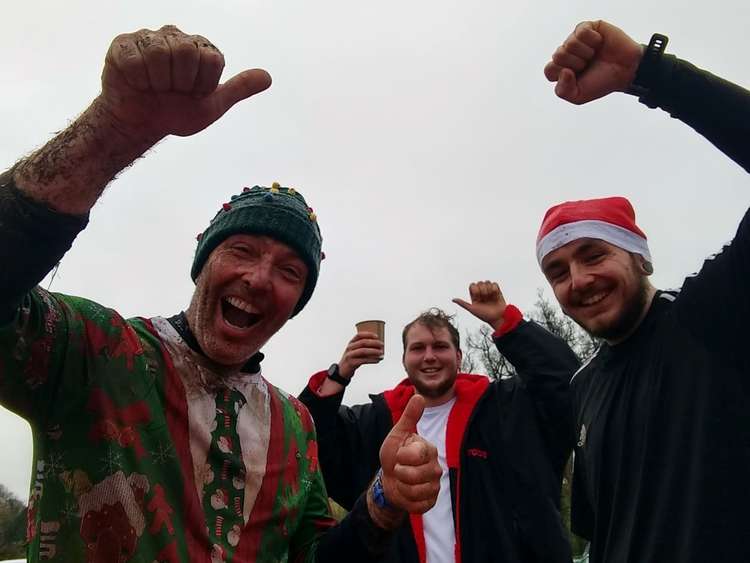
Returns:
(407, 424)
(566, 87)
(241, 86)
(461, 303)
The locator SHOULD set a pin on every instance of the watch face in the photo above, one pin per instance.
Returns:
(333, 370)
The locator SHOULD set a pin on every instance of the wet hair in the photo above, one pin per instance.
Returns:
(433, 319)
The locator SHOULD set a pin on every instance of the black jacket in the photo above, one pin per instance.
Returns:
(663, 449)
(507, 443)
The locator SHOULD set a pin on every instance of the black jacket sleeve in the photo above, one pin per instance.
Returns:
(714, 303)
(349, 440)
(545, 365)
(34, 239)
(356, 538)
(715, 108)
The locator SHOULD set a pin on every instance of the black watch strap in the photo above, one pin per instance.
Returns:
(649, 66)
(335, 375)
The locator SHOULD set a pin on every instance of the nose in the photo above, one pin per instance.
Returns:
(258, 275)
(580, 277)
(429, 354)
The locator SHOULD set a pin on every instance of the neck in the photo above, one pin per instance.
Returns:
(441, 400)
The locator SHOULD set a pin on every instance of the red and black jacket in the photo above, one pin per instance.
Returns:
(507, 443)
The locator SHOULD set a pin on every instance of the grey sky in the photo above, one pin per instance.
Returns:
(423, 133)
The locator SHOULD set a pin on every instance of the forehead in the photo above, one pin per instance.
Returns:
(422, 334)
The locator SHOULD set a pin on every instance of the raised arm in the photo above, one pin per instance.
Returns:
(598, 59)
(544, 362)
(154, 84)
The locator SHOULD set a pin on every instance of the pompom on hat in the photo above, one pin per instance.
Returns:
(611, 219)
(278, 212)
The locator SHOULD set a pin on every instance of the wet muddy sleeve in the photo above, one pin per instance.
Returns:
(33, 238)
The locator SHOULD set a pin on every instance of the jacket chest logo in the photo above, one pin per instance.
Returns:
(582, 436)
(476, 452)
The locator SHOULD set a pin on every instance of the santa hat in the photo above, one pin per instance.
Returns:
(610, 219)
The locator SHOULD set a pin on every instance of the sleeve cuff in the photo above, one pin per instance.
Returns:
(316, 382)
(511, 319)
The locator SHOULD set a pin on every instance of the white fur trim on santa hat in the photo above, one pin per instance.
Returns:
(620, 237)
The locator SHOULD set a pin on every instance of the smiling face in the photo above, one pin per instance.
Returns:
(431, 360)
(245, 292)
(600, 286)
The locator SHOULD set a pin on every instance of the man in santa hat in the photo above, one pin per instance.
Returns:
(663, 450)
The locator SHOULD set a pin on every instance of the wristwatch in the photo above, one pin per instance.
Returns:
(652, 54)
(334, 375)
(378, 494)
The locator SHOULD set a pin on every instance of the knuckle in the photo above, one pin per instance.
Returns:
(123, 38)
(213, 59)
(202, 42)
(184, 49)
(130, 64)
(153, 44)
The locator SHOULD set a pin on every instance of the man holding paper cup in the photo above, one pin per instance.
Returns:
(502, 444)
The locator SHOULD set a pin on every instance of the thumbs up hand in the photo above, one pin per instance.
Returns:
(410, 470)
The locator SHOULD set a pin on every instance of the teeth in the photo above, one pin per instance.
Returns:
(594, 299)
(240, 304)
(431, 370)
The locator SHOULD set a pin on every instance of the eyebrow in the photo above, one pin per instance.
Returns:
(585, 247)
(293, 256)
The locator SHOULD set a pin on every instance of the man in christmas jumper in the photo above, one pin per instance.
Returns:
(502, 444)
(663, 419)
(158, 439)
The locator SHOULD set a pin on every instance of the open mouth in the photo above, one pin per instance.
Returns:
(238, 313)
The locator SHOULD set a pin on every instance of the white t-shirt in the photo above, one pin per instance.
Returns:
(439, 533)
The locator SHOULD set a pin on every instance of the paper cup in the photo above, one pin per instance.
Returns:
(378, 327)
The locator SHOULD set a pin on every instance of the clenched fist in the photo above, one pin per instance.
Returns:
(595, 60)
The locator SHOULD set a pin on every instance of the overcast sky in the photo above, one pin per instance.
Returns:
(423, 133)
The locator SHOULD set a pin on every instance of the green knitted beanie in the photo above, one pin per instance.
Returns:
(278, 212)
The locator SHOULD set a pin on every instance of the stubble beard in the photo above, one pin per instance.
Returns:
(431, 392)
(630, 316)
(198, 315)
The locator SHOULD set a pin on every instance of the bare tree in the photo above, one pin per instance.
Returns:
(12, 525)
(481, 351)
